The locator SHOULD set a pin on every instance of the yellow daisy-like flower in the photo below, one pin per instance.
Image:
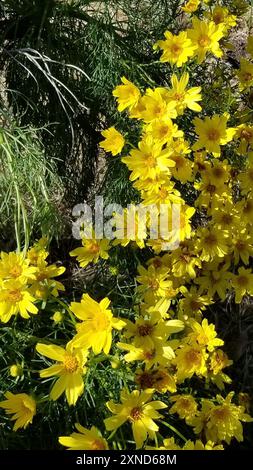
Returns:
(221, 422)
(16, 298)
(177, 49)
(203, 334)
(242, 283)
(69, 369)
(91, 251)
(127, 94)
(245, 74)
(191, 6)
(14, 266)
(211, 243)
(212, 133)
(183, 97)
(190, 360)
(22, 406)
(205, 36)
(138, 409)
(156, 105)
(163, 130)
(114, 141)
(95, 331)
(84, 439)
(184, 405)
(221, 15)
(158, 378)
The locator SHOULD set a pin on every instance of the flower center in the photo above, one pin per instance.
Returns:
(222, 414)
(211, 239)
(151, 161)
(176, 49)
(192, 357)
(218, 18)
(247, 77)
(98, 444)
(15, 295)
(246, 134)
(211, 188)
(136, 414)
(204, 41)
(213, 134)
(93, 247)
(179, 96)
(145, 330)
(242, 280)
(16, 271)
(71, 364)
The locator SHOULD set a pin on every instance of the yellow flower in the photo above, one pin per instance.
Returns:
(37, 252)
(211, 243)
(184, 405)
(177, 49)
(130, 226)
(22, 406)
(242, 283)
(203, 334)
(149, 159)
(154, 282)
(95, 331)
(219, 361)
(242, 246)
(15, 298)
(205, 35)
(127, 94)
(160, 379)
(156, 105)
(114, 141)
(214, 278)
(69, 369)
(193, 304)
(212, 133)
(221, 422)
(84, 439)
(91, 251)
(190, 360)
(45, 284)
(191, 6)
(159, 354)
(221, 15)
(183, 97)
(184, 261)
(14, 266)
(139, 410)
(163, 130)
(244, 133)
(16, 370)
(245, 74)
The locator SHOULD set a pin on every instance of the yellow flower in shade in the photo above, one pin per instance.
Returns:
(242, 246)
(211, 243)
(38, 252)
(22, 406)
(16, 370)
(127, 94)
(192, 304)
(184, 262)
(221, 15)
(242, 283)
(168, 444)
(246, 180)
(221, 422)
(69, 368)
(153, 282)
(84, 439)
(184, 405)
(203, 334)
(177, 49)
(16, 298)
(191, 6)
(214, 279)
(14, 266)
(91, 251)
(219, 361)
(190, 360)
(149, 159)
(245, 74)
(95, 331)
(138, 409)
(160, 379)
(45, 283)
(183, 97)
(212, 133)
(114, 141)
(205, 35)
(249, 47)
